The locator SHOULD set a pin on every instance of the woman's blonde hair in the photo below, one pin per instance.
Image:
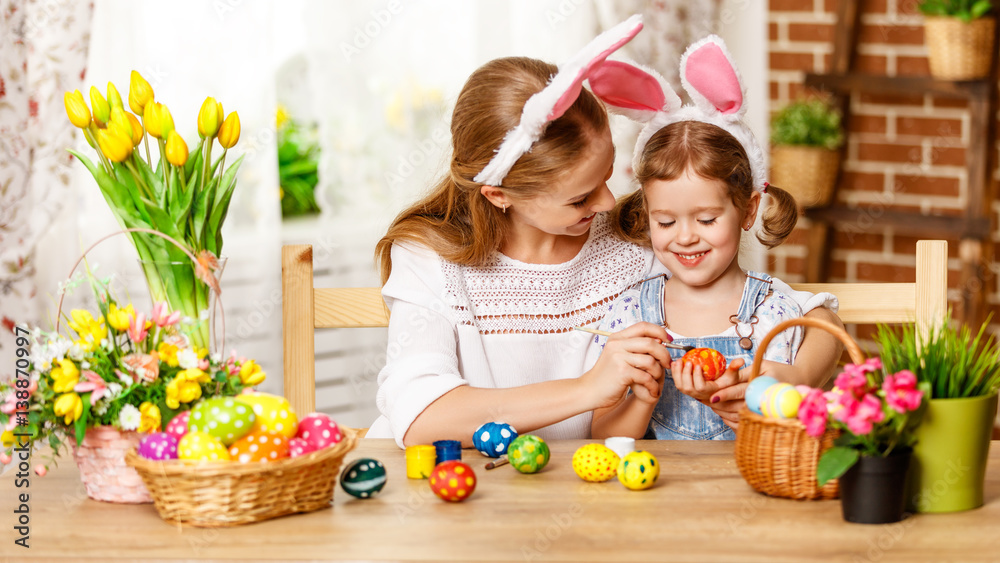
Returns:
(455, 220)
(710, 152)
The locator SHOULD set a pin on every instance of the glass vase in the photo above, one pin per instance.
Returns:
(176, 284)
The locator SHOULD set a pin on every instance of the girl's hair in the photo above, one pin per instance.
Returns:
(710, 152)
(455, 220)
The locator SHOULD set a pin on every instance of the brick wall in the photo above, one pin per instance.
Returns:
(904, 152)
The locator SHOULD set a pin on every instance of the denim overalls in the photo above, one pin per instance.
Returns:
(678, 416)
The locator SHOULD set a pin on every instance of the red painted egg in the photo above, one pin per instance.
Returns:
(712, 362)
(452, 480)
(178, 425)
(298, 446)
(319, 431)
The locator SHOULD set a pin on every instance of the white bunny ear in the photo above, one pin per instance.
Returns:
(711, 79)
(636, 92)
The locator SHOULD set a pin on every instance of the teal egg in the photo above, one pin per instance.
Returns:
(223, 418)
(363, 478)
(755, 391)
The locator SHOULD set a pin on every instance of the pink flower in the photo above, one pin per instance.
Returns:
(137, 327)
(162, 315)
(859, 415)
(854, 378)
(10, 404)
(143, 366)
(812, 412)
(94, 384)
(901, 391)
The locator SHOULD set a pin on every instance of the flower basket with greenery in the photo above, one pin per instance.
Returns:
(805, 160)
(298, 161)
(959, 37)
(185, 195)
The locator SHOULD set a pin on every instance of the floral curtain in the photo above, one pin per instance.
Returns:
(43, 52)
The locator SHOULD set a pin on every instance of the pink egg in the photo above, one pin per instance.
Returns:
(158, 446)
(178, 425)
(319, 431)
(297, 447)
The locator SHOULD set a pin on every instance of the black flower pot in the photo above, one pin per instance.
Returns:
(873, 491)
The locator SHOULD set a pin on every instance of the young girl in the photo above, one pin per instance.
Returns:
(487, 276)
(702, 177)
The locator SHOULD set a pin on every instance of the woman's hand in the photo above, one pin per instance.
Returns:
(632, 358)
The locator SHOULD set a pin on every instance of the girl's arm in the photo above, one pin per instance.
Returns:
(629, 417)
(632, 358)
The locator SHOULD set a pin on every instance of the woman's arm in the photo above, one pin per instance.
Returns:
(629, 417)
(633, 357)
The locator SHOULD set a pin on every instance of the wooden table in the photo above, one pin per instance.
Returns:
(700, 510)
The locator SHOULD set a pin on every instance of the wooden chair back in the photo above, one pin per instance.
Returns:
(305, 308)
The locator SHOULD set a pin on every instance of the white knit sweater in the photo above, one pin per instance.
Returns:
(504, 325)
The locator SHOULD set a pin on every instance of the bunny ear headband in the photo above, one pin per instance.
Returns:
(549, 104)
(708, 76)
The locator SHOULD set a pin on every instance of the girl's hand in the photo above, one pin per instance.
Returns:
(634, 357)
(689, 380)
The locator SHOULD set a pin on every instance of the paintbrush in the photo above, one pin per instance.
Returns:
(497, 462)
(606, 333)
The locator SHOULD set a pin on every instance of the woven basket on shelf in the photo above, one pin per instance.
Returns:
(808, 173)
(957, 50)
(775, 455)
(218, 494)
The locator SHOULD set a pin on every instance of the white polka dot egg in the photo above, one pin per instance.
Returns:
(259, 446)
(201, 446)
(318, 431)
(273, 413)
(224, 418)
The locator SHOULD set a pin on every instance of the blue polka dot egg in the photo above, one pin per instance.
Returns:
(493, 438)
(363, 478)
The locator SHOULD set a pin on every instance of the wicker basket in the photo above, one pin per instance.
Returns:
(957, 50)
(776, 456)
(101, 459)
(808, 173)
(213, 495)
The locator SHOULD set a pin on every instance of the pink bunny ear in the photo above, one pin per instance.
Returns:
(710, 78)
(633, 91)
(633, 26)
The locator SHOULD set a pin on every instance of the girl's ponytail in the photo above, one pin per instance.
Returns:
(779, 219)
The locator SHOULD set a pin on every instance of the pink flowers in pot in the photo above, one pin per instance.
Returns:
(875, 411)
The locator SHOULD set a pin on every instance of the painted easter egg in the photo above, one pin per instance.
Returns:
(528, 453)
(319, 431)
(225, 418)
(755, 391)
(297, 447)
(638, 470)
(158, 446)
(201, 446)
(178, 425)
(712, 362)
(780, 400)
(452, 480)
(493, 438)
(363, 478)
(274, 413)
(595, 463)
(259, 446)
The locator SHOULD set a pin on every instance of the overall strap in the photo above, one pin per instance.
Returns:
(756, 290)
(650, 299)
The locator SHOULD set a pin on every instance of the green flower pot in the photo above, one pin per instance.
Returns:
(949, 459)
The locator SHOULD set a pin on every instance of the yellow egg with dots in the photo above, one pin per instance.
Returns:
(273, 413)
(780, 400)
(638, 470)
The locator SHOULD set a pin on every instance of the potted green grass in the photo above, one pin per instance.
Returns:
(806, 136)
(961, 371)
(959, 37)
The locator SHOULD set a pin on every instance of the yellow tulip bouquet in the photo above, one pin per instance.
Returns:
(183, 194)
(118, 367)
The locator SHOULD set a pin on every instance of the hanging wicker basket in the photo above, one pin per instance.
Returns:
(775, 455)
(957, 50)
(808, 173)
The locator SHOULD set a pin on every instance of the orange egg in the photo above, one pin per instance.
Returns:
(259, 446)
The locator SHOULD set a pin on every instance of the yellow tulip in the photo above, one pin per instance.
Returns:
(140, 93)
(150, 421)
(115, 144)
(229, 133)
(119, 318)
(120, 123)
(137, 131)
(65, 376)
(68, 406)
(251, 374)
(185, 387)
(209, 118)
(168, 354)
(7, 439)
(102, 110)
(151, 119)
(177, 150)
(166, 121)
(114, 98)
(76, 109)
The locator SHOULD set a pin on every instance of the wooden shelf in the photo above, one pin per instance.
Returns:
(903, 222)
(846, 83)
